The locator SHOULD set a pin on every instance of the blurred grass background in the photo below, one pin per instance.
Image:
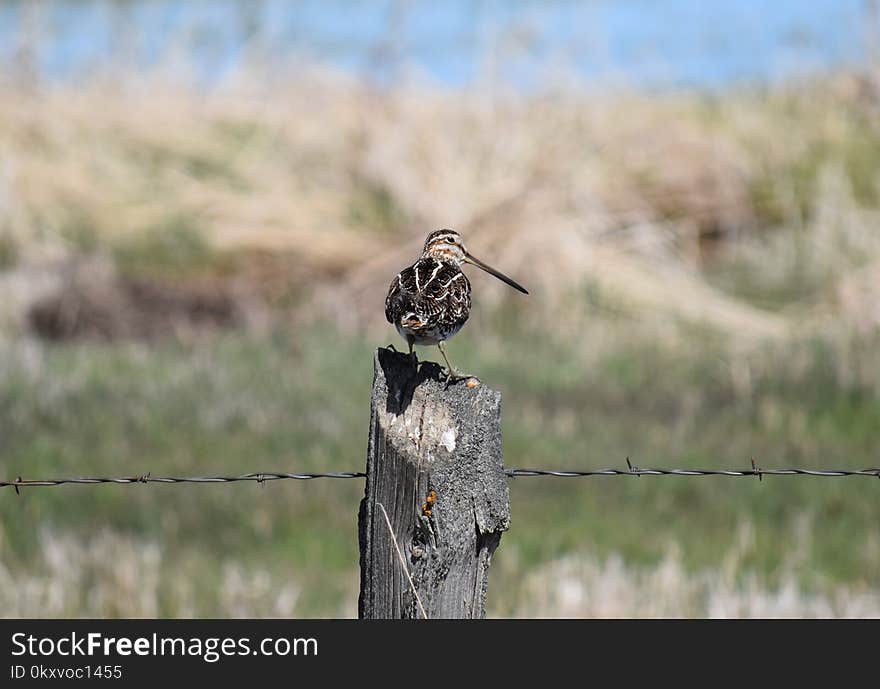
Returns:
(193, 283)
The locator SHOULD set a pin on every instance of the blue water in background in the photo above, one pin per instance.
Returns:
(642, 43)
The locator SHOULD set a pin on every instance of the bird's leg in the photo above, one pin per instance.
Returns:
(410, 340)
(452, 373)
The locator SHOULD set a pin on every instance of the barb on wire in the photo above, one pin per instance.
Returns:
(262, 477)
(632, 469)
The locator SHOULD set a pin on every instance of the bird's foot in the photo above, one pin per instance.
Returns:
(453, 375)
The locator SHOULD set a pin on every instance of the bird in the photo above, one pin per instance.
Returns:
(429, 301)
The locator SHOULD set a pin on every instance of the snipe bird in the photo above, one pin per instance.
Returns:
(430, 301)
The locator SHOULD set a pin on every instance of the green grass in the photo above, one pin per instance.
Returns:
(298, 401)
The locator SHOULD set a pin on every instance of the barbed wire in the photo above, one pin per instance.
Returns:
(261, 477)
(564, 473)
(258, 477)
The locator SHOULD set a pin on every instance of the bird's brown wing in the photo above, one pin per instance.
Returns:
(394, 298)
(448, 297)
(430, 294)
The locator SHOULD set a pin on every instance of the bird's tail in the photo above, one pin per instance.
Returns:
(412, 321)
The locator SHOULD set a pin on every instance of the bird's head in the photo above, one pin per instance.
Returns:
(447, 245)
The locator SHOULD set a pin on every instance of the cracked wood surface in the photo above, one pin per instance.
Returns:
(426, 436)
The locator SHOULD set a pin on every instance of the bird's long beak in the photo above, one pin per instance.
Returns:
(489, 269)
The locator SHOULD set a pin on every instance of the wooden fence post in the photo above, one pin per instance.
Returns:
(435, 479)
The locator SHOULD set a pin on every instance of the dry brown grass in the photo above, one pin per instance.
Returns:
(584, 587)
(112, 575)
(628, 195)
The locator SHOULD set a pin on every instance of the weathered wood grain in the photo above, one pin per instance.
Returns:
(428, 436)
